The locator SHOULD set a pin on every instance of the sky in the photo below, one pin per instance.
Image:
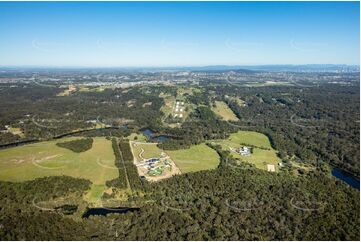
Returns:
(129, 34)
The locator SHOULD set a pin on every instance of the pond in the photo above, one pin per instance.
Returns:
(105, 211)
(346, 177)
(154, 138)
(160, 138)
(148, 132)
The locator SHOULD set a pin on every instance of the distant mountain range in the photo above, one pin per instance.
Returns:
(213, 68)
(278, 68)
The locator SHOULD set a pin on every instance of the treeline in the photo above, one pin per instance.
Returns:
(78, 145)
(127, 170)
(202, 125)
(121, 181)
(133, 177)
(308, 125)
(255, 146)
(223, 204)
(41, 114)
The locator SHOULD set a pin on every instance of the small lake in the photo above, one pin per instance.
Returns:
(105, 211)
(346, 177)
(148, 132)
(154, 138)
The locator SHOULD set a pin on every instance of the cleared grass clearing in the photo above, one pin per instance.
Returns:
(150, 150)
(224, 111)
(71, 89)
(260, 157)
(250, 137)
(137, 137)
(196, 158)
(95, 194)
(16, 131)
(169, 102)
(238, 100)
(47, 159)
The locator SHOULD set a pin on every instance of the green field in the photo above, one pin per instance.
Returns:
(197, 158)
(238, 100)
(140, 137)
(95, 194)
(150, 150)
(47, 159)
(260, 157)
(169, 102)
(224, 111)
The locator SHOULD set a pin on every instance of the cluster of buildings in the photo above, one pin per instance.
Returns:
(244, 151)
(156, 166)
(179, 109)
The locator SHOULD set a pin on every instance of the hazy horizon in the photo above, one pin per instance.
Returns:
(178, 34)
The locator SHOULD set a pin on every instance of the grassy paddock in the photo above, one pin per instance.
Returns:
(140, 137)
(224, 111)
(260, 157)
(196, 158)
(150, 150)
(47, 159)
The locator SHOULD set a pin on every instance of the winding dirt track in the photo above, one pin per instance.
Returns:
(141, 154)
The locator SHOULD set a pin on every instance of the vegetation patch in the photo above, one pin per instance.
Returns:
(145, 151)
(238, 100)
(79, 145)
(128, 175)
(262, 151)
(222, 109)
(95, 193)
(137, 137)
(196, 158)
(44, 159)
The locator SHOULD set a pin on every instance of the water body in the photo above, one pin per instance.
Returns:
(105, 211)
(148, 132)
(346, 177)
(160, 138)
(154, 138)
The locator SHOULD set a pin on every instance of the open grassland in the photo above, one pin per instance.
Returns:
(260, 157)
(224, 111)
(137, 137)
(47, 159)
(145, 150)
(16, 131)
(169, 103)
(71, 89)
(238, 100)
(95, 194)
(196, 158)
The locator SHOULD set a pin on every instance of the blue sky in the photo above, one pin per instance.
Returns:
(178, 33)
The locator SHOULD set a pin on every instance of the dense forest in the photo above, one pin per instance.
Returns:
(312, 124)
(78, 145)
(317, 125)
(224, 204)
